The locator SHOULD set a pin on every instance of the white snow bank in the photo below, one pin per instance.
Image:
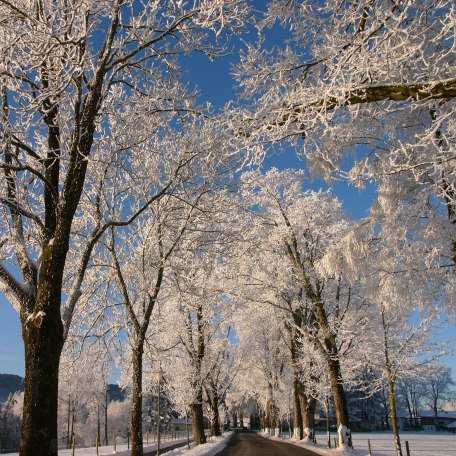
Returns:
(208, 449)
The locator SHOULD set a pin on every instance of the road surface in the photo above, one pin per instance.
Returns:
(247, 443)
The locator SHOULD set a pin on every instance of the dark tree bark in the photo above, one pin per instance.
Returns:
(197, 419)
(98, 425)
(215, 424)
(376, 93)
(140, 327)
(197, 356)
(385, 403)
(391, 387)
(136, 401)
(214, 403)
(235, 423)
(303, 405)
(272, 415)
(297, 413)
(105, 409)
(43, 346)
(42, 332)
(312, 290)
(392, 398)
(308, 415)
(68, 422)
(297, 386)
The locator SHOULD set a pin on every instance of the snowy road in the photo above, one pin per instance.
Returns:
(250, 444)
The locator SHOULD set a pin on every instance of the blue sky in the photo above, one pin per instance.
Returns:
(216, 85)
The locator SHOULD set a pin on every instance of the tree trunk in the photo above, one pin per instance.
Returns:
(392, 397)
(43, 341)
(73, 419)
(136, 401)
(197, 421)
(385, 402)
(106, 416)
(340, 401)
(272, 418)
(391, 380)
(98, 425)
(215, 423)
(308, 416)
(409, 408)
(297, 414)
(434, 407)
(335, 373)
(328, 422)
(68, 422)
(234, 419)
(297, 386)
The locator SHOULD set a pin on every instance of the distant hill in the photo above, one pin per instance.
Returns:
(9, 384)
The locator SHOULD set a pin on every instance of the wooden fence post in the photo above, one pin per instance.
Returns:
(407, 449)
(369, 447)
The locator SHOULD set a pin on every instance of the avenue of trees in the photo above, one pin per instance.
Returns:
(139, 227)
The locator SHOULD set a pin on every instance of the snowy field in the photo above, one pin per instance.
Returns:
(121, 449)
(420, 444)
(212, 447)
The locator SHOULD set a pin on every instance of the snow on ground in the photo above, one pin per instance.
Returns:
(382, 444)
(211, 448)
(109, 450)
(420, 443)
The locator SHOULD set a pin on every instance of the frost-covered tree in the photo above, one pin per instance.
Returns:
(65, 67)
(364, 90)
(139, 262)
(297, 231)
(402, 309)
(401, 343)
(164, 244)
(410, 393)
(225, 367)
(201, 316)
(264, 363)
(83, 398)
(439, 388)
(10, 421)
(119, 415)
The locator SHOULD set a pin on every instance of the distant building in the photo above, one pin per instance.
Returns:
(427, 421)
(180, 425)
(451, 427)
